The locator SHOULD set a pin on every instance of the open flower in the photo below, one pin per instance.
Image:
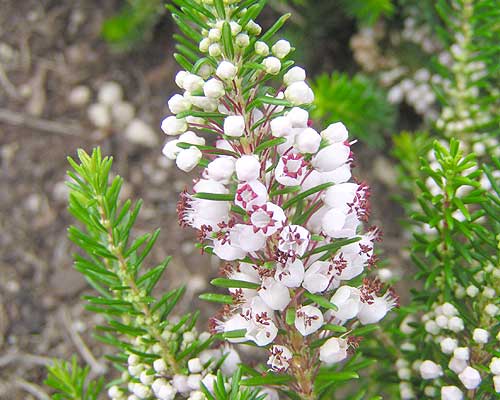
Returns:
(294, 240)
(279, 359)
(333, 351)
(308, 319)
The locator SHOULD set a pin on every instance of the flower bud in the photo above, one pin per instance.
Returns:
(204, 45)
(335, 133)
(179, 78)
(451, 393)
(242, 40)
(174, 126)
(457, 365)
(159, 365)
(215, 50)
(448, 345)
(281, 126)
(480, 336)
(261, 48)
(234, 126)
(333, 351)
(495, 366)
(214, 34)
(226, 71)
(461, 353)
(194, 365)
(430, 370)
(188, 159)
(308, 141)
(299, 93)
(272, 65)
(214, 89)
(281, 48)
(193, 83)
(247, 168)
(470, 378)
(295, 74)
(178, 104)
(221, 169)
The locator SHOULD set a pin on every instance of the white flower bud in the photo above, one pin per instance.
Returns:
(472, 291)
(141, 391)
(193, 381)
(331, 157)
(272, 65)
(449, 310)
(495, 366)
(159, 365)
(191, 138)
(178, 104)
(430, 370)
(457, 365)
(194, 365)
(114, 392)
(204, 45)
(234, 126)
(295, 74)
(261, 48)
(480, 336)
(404, 374)
(242, 40)
(180, 383)
(470, 378)
(491, 310)
(174, 126)
(298, 117)
(215, 50)
(221, 169)
(430, 391)
(188, 159)
(335, 133)
(214, 34)
(299, 93)
(179, 78)
(456, 324)
(247, 168)
(308, 141)
(171, 150)
(333, 351)
(226, 71)
(146, 378)
(133, 359)
(448, 345)
(281, 126)
(496, 383)
(235, 28)
(281, 48)
(461, 353)
(193, 83)
(442, 321)
(451, 393)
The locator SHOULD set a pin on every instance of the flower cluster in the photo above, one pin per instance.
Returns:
(462, 351)
(156, 380)
(274, 201)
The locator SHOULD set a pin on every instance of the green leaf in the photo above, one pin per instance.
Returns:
(233, 283)
(321, 301)
(216, 298)
(214, 196)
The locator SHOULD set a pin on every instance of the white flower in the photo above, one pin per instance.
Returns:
(231, 360)
(247, 168)
(209, 382)
(179, 382)
(495, 366)
(261, 48)
(178, 104)
(457, 365)
(249, 194)
(331, 157)
(194, 381)
(336, 224)
(159, 365)
(335, 133)
(470, 378)
(294, 240)
(318, 276)
(308, 141)
(480, 336)
(449, 310)
(299, 93)
(179, 78)
(295, 74)
(235, 28)
(226, 71)
(333, 351)
(227, 247)
(291, 169)
(491, 309)
(267, 218)
(204, 45)
(431, 327)
(348, 301)
(274, 294)
(281, 126)
(194, 365)
(188, 159)
(221, 169)
(174, 126)
(279, 359)
(234, 125)
(290, 274)
(496, 383)
(451, 393)
(214, 88)
(215, 50)
(281, 48)
(272, 65)
(299, 117)
(171, 150)
(448, 345)
(341, 196)
(214, 34)
(456, 324)
(193, 83)
(191, 138)
(406, 391)
(308, 319)
(373, 311)
(242, 40)
(261, 330)
(430, 370)
(235, 323)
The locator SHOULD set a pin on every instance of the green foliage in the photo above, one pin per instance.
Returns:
(358, 103)
(225, 390)
(368, 11)
(71, 381)
(133, 23)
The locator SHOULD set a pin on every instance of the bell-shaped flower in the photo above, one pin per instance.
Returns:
(373, 311)
(291, 169)
(227, 249)
(290, 274)
(338, 175)
(247, 273)
(335, 133)
(336, 224)
(308, 141)
(308, 319)
(274, 294)
(295, 74)
(267, 218)
(318, 276)
(294, 240)
(249, 194)
(188, 159)
(200, 212)
(281, 126)
(234, 126)
(348, 302)
(221, 169)
(331, 157)
(279, 359)
(298, 117)
(249, 239)
(171, 150)
(341, 196)
(299, 93)
(261, 330)
(247, 168)
(235, 323)
(173, 126)
(349, 265)
(333, 351)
